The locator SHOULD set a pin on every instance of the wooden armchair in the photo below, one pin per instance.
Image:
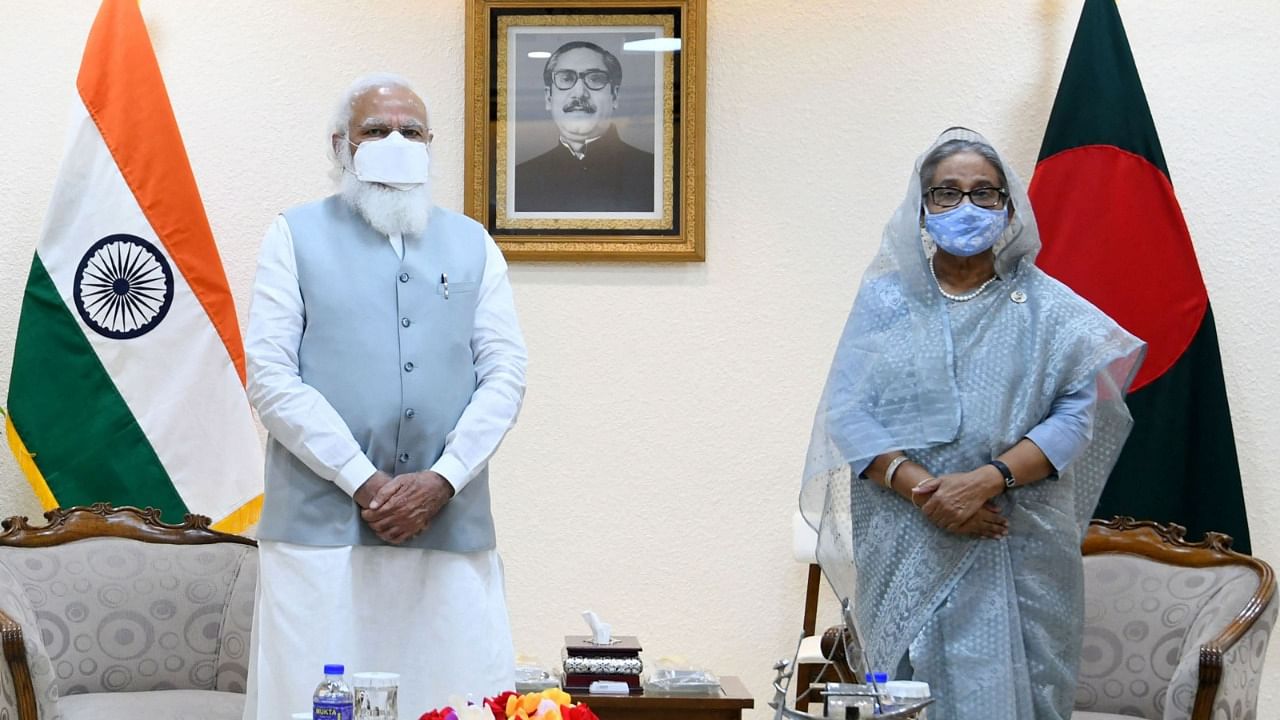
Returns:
(109, 613)
(1173, 629)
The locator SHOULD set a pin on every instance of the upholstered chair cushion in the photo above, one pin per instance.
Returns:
(15, 605)
(1144, 624)
(121, 615)
(156, 705)
(237, 624)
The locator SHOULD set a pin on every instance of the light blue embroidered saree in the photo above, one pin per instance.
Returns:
(992, 625)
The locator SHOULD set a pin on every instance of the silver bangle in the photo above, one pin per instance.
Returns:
(893, 468)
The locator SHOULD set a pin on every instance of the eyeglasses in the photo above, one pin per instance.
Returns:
(593, 79)
(984, 197)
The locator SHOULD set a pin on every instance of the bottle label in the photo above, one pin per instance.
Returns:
(332, 711)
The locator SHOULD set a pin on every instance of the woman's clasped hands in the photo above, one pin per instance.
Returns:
(962, 502)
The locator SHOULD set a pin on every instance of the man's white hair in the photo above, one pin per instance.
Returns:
(346, 105)
(387, 209)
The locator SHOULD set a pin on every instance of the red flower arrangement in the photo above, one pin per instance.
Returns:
(554, 704)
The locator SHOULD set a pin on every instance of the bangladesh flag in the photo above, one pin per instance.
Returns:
(1113, 231)
(128, 370)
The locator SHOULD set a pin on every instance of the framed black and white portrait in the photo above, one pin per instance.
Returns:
(584, 128)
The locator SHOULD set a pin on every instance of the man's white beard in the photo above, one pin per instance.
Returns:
(387, 209)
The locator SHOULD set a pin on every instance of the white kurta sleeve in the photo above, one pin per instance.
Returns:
(500, 358)
(296, 414)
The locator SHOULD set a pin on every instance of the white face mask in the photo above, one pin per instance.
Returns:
(393, 161)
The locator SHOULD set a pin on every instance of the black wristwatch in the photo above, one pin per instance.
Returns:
(1009, 482)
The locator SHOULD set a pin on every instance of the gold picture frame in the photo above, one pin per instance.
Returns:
(585, 127)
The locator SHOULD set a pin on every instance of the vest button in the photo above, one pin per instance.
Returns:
(410, 413)
(408, 367)
(404, 277)
(404, 322)
(404, 457)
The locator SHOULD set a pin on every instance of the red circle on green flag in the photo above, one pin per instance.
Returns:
(1113, 231)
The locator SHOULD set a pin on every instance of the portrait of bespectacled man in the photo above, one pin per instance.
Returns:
(590, 146)
(585, 128)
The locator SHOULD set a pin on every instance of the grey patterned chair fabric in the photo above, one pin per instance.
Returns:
(109, 624)
(1162, 616)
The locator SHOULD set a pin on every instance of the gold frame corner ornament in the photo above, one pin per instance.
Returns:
(683, 201)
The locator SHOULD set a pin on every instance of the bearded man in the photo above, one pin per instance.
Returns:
(386, 362)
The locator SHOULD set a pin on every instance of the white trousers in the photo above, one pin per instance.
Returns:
(439, 619)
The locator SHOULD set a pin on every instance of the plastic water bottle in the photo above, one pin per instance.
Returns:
(878, 681)
(333, 699)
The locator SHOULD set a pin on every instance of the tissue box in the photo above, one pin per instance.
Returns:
(585, 662)
(620, 646)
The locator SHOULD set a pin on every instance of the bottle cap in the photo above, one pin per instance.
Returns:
(334, 669)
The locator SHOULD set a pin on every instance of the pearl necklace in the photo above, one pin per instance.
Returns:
(959, 298)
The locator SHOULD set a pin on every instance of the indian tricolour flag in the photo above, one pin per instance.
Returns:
(128, 373)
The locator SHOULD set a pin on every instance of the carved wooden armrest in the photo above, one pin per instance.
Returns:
(15, 656)
(1212, 652)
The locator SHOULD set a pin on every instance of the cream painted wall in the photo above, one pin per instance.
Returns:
(654, 470)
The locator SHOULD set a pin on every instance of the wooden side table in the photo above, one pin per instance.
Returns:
(727, 705)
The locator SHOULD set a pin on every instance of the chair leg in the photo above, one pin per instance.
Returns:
(812, 588)
(806, 673)
(801, 680)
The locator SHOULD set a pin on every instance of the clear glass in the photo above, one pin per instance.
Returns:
(376, 695)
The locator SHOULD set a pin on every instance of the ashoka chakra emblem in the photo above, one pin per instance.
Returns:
(123, 287)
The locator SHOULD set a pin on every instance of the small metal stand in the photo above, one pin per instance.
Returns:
(858, 663)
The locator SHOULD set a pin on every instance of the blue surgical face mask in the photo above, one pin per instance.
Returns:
(966, 229)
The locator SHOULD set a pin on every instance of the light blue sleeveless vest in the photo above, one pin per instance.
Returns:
(390, 349)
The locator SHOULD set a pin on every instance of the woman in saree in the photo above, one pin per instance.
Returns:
(971, 416)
